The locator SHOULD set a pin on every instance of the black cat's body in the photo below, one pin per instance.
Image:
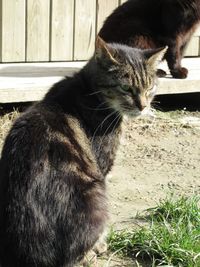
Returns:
(52, 175)
(155, 23)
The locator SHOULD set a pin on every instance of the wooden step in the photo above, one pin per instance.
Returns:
(24, 82)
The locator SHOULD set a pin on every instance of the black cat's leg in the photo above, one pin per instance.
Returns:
(174, 57)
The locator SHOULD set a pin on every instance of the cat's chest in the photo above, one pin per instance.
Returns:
(106, 148)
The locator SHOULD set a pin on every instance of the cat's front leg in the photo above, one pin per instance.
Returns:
(101, 246)
(90, 259)
(174, 57)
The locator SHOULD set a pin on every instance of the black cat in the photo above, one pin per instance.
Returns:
(155, 23)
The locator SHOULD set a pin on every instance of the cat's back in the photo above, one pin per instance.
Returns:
(45, 134)
(25, 152)
(133, 16)
(153, 21)
(28, 133)
(48, 173)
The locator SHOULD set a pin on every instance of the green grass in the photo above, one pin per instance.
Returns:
(171, 237)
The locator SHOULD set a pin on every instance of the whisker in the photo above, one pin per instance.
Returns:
(97, 108)
(94, 93)
(154, 101)
(103, 137)
(156, 107)
(100, 125)
(119, 117)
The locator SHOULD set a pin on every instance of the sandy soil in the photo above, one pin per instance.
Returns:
(156, 158)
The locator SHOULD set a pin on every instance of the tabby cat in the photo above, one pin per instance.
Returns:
(55, 158)
(155, 23)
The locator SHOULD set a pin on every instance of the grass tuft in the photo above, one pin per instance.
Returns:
(172, 236)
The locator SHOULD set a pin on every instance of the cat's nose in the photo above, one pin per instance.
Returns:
(141, 103)
(142, 107)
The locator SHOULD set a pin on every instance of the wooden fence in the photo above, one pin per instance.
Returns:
(55, 30)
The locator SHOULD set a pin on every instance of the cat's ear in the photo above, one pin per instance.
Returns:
(103, 51)
(155, 56)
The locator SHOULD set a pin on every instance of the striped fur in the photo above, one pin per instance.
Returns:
(53, 205)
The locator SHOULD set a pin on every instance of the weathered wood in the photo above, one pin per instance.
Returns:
(104, 9)
(85, 24)
(12, 30)
(122, 1)
(1, 30)
(30, 81)
(62, 30)
(197, 32)
(193, 47)
(38, 12)
(169, 85)
(56, 30)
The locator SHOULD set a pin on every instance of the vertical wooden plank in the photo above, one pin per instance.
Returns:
(197, 32)
(1, 36)
(122, 1)
(199, 47)
(38, 13)
(104, 9)
(193, 47)
(13, 30)
(62, 30)
(85, 22)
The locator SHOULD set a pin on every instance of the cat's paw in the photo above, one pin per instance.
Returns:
(100, 247)
(161, 73)
(181, 73)
(90, 259)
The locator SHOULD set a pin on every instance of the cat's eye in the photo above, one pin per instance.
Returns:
(129, 89)
(126, 87)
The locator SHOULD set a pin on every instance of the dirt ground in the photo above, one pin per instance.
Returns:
(156, 157)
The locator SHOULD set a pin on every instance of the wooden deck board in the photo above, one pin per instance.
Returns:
(24, 82)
